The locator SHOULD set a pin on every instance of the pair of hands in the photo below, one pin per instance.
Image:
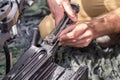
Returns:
(76, 35)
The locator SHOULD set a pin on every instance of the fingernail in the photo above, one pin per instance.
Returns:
(70, 35)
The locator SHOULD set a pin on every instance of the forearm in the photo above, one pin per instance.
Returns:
(106, 24)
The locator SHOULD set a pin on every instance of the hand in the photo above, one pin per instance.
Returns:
(79, 35)
(58, 7)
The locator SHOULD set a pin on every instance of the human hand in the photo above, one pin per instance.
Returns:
(58, 7)
(76, 35)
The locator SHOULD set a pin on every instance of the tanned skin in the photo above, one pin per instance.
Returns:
(81, 35)
(58, 7)
(106, 24)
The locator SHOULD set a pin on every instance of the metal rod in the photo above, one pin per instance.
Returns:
(8, 56)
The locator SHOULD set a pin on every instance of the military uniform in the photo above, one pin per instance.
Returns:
(102, 65)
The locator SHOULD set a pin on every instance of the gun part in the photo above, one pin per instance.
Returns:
(53, 36)
(37, 63)
(9, 13)
(5, 7)
(11, 19)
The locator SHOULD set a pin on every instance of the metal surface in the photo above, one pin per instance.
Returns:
(5, 7)
(37, 63)
(9, 14)
(8, 56)
(11, 18)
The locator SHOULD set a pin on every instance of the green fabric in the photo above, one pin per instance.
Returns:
(39, 8)
(103, 64)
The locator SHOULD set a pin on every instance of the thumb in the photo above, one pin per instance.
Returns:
(69, 11)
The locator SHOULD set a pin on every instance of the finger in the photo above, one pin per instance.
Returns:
(58, 14)
(83, 43)
(75, 32)
(80, 30)
(67, 42)
(68, 36)
(86, 35)
(77, 43)
(54, 6)
(69, 28)
(70, 12)
(52, 9)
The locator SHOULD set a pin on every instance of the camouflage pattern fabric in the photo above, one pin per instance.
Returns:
(103, 64)
(39, 8)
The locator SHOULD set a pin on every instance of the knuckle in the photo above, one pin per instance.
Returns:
(86, 44)
(74, 34)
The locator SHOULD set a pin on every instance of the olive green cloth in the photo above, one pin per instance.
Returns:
(39, 8)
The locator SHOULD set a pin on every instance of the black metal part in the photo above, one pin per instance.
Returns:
(3, 45)
(35, 37)
(11, 18)
(8, 56)
(37, 63)
(9, 13)
(3, 38)
(80, 74)
(41, 66)
(8, 18)
(53, 36)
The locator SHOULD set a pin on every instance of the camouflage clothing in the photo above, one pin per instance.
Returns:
(103, 64)
(39, 8)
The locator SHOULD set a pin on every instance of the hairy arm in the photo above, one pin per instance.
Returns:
(80, 35)
(106, 24)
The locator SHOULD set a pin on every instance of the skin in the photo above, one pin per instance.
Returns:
(59, 7)
(77, 35)
(81, 35)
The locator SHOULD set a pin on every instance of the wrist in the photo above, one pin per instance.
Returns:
(92, 28)
(105, 24)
